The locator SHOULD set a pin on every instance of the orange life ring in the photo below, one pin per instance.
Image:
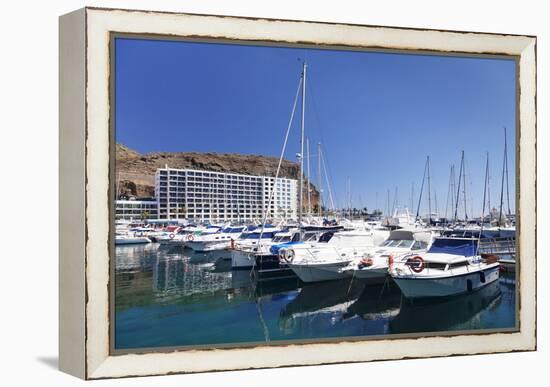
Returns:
(190, 237)
(421, 264)
(366, 261)
(171, 235)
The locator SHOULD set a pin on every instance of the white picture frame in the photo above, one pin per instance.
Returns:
(86, 161)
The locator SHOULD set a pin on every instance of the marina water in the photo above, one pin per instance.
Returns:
(168, 297)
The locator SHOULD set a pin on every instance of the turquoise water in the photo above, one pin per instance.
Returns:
(174, 297)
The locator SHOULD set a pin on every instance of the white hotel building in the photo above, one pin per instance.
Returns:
(136, 210)
(221, 196)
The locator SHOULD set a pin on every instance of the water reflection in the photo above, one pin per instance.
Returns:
(454, 313)
(175, 297)
(377, 302)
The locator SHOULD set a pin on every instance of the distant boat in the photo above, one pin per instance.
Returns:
(130, 239)
(213, 241)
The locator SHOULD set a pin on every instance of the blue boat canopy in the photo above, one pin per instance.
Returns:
(456, 246)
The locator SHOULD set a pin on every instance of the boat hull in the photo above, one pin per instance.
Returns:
(424, 287)
(242, 259)
(321, 272)
(269, 267)
(372, 275)
(132, 241)
(201, 246)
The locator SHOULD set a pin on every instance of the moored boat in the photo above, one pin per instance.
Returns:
(244, 250)
(324, 260)
(450, 267)
(374, 266)
(130, 239)
(214, 240)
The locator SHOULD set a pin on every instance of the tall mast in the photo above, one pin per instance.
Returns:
(504, 170)
(319, 180)
(436, 212)
(464, 188)
(458, 188)
(453, 186)
(388, 204)
(301, 189)
(488, 187)
(449, 193)
(308, 179)
(395, 202)
(349, 197)
(429, 192)
(506, 163)
(485, 189)
(412, 197)
(422, 187)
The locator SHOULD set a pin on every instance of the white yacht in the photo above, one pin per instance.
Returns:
(212, 241)
(374, 266)
(178, 236)
(451, 266)
(324, 260)
(244, 250)
(130, 239)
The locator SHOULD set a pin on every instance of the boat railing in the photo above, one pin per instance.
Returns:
(504, 247)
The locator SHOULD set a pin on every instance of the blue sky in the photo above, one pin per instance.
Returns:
(378, 115)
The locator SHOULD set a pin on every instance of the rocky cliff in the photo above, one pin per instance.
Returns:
(135, 172)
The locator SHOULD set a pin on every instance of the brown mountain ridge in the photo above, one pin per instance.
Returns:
(135, 172)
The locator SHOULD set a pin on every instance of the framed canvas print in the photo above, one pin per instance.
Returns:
(241, 193)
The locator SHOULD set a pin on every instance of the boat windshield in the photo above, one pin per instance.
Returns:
(282, 238)
(256, 235)
(311, 237)
(326, 237)
(232, 230)
(465, 247)
(403, 243)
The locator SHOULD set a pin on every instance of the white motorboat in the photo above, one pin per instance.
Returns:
(324, 260)
(451, 266)
(244, 249)
(130, 239)
(178, 236)
(212, 241)
(374, 266)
